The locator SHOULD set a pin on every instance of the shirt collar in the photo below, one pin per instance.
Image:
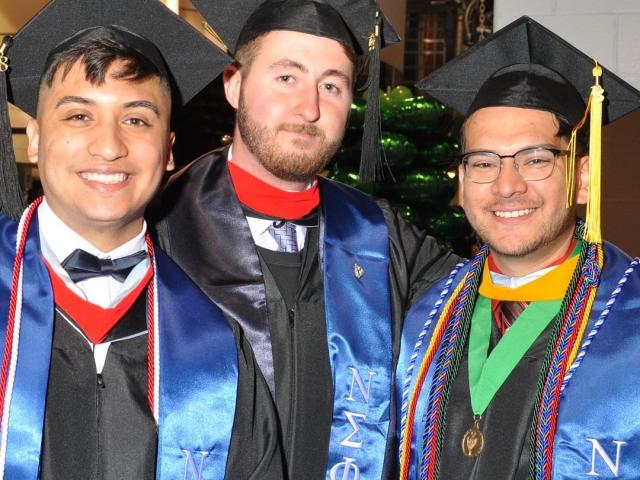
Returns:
(58, 240)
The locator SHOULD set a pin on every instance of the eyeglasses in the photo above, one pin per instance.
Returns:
(532, 164)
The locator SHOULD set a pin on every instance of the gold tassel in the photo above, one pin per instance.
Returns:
(571, 161)
(592, 231)
(594, 109)
(217, 39)
(571, 166)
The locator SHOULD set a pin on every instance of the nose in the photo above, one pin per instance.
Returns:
(509, 181)
(308, 104)
(107, 142)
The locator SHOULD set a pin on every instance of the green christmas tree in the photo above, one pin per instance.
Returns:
(419, 153)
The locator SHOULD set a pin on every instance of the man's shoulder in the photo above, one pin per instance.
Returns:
(170, 273)
(198, 167)
(614, 252)
(184, 189)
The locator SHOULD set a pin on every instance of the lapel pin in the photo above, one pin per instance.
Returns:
(358, 271)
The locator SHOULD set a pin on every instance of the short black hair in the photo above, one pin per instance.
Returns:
(564, 131)
(98, 52)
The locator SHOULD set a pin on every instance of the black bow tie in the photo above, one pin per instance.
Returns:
(81, 265)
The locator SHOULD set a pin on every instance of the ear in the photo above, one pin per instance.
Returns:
(461, 185)
(582, 181)
(232, 81)
(33, 140)
(171, 164)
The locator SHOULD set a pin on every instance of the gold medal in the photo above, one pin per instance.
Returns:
(473, 440)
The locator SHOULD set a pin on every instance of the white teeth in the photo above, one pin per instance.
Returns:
(106, 178)
(513, 213)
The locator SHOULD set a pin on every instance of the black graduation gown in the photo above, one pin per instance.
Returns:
(100, 426)
(200, 223)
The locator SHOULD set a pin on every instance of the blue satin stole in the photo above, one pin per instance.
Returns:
(414, 322)
(355, 260)
(198, 368)
(598, 431)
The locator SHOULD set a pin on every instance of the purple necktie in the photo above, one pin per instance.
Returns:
(285, 236)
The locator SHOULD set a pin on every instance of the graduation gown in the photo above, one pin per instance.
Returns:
(202, 226)
(67, 422)
(596, 433)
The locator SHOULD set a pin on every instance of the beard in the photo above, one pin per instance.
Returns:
(301, 162)
(518, 247)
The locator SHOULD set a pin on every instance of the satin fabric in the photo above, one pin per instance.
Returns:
(600, 401)
(414, 322)
(27, 407)
(198, 378)
(356, 266)
(201, 225)
(222, 258)
(188, 351)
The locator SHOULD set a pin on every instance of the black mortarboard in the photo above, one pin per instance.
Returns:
(349, 21)
(187, 59)
(525, 65)
(359, 24)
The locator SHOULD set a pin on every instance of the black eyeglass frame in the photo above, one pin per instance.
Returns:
(462, 159)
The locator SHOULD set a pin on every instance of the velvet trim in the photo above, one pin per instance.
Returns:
(94, 321)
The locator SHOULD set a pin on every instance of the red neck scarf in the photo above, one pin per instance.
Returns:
(269, 200)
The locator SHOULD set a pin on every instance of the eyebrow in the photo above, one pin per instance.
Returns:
(337, 73)
(74, 99)
(332, 72)
(143, 104)
(87, 101)
(530, 147)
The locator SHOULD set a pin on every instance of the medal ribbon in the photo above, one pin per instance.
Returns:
(488, 373)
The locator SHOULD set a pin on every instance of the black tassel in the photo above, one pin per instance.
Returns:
(12, 201)
(370, 158)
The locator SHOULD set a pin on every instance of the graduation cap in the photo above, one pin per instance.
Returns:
(525, 65)
(179, 52)
(358, 24)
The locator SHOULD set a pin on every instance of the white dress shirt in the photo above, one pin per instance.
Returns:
(57, 241)
(515, 282)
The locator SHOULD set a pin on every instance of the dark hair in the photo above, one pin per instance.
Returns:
(582, 135)
(98, 53)
(564, 131)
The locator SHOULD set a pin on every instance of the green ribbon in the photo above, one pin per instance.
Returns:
(486, 375)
